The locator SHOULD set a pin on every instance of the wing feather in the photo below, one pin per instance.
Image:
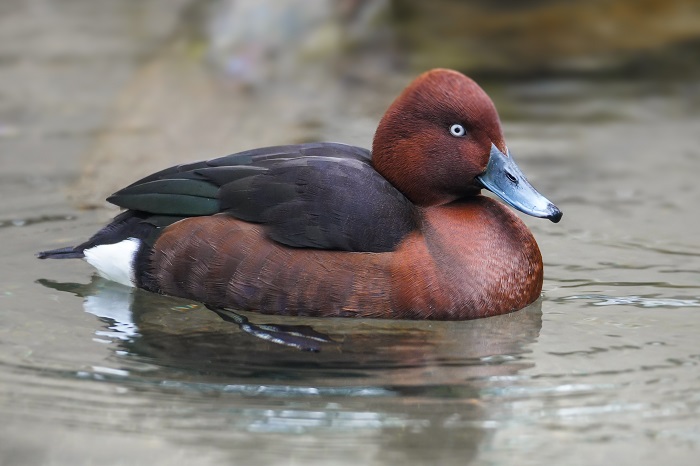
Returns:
(320, 195)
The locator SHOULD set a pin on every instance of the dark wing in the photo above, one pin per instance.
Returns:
(322, 195)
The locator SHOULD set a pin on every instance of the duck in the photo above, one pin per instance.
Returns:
(331, 230)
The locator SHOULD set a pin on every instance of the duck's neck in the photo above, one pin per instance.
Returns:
(403, 167)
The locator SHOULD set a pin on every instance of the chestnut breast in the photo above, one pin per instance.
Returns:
(473, 258)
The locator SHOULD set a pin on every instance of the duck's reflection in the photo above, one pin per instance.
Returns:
(419, 386)
(112, 301)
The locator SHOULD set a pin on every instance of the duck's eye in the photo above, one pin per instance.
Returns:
(457, 130)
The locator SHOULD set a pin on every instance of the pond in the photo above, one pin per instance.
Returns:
(603, 369)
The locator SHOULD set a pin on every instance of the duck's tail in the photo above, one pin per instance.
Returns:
(119, 251)
(125, 225)
(70, 252)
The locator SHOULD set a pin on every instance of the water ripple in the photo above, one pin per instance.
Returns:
(23, 222)
(638, 301)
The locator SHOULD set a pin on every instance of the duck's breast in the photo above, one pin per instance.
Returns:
(472, 259)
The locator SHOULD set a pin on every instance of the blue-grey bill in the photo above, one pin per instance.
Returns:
(503, 178)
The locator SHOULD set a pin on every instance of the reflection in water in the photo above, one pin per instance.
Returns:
(114, 301)
(183, 333)
(393, 378)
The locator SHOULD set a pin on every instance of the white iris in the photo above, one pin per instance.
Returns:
(457, 130)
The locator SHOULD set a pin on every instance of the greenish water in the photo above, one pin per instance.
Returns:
(603, 369)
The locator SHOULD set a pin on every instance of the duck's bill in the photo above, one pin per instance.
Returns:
(503, 178)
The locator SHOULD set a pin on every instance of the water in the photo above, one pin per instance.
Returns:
(603, 369)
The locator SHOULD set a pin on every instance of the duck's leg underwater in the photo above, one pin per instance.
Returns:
(301, 337)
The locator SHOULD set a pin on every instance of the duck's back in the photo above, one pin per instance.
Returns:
(320, 195)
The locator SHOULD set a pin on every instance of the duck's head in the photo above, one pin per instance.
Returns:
(441, 140)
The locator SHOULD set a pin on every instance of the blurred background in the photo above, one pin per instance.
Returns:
(143, 84)
(600, 102)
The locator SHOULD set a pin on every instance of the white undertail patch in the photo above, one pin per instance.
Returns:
(115, 261)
